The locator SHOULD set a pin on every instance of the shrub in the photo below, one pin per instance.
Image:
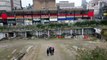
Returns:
(104, 33)
(96, 54)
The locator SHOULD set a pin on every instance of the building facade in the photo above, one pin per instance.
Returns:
(8, 5)
(5, 5)
(29, 17)
(16, 4)
(44, 4)
(84, 4)
(97, 6)
(65, 5)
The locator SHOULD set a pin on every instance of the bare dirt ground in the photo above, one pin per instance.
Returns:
(65, 49)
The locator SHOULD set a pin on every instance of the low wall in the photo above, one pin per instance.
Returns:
(2, 35)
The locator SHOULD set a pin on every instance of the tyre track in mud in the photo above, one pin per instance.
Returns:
(33, 53)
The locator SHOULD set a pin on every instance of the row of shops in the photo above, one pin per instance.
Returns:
(48, 33)
(32, 20)
(35, 17)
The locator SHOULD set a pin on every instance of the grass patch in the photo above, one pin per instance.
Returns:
(104, 33)
(96, 54)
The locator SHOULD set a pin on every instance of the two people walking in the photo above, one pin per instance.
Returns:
(50, 51)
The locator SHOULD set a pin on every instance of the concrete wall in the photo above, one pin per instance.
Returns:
(2, 35)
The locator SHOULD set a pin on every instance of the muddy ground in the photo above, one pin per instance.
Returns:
(35, 49)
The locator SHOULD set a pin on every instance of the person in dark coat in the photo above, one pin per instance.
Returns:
(48, 51)
(73, 35)
(51, 50)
